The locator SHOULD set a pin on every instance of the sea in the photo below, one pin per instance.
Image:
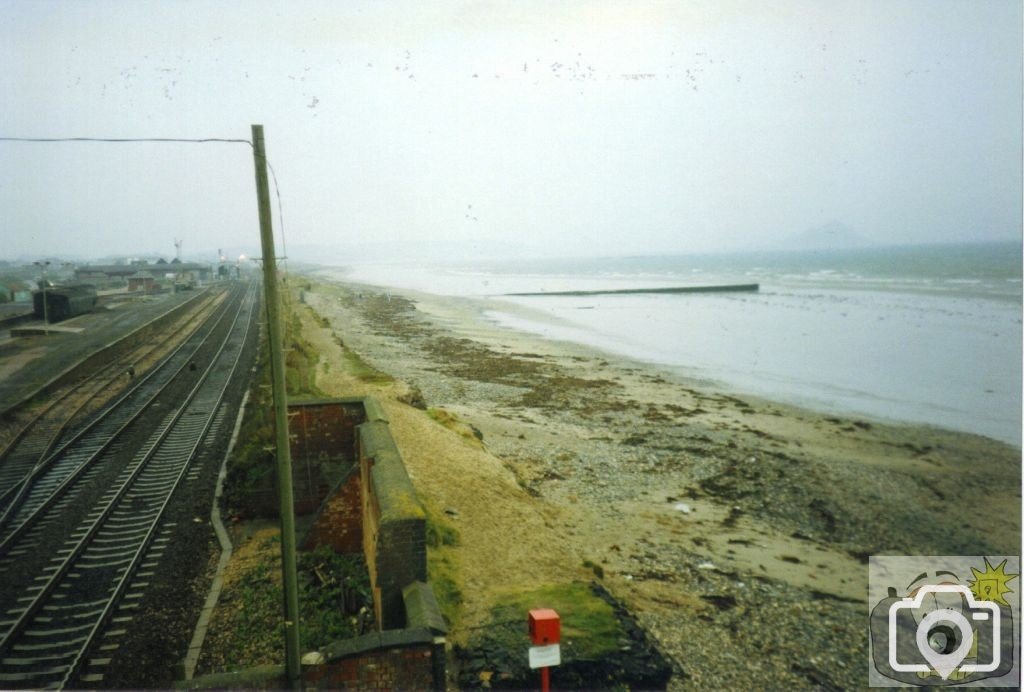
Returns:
(922, 334)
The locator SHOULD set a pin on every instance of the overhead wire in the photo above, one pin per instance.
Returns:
(176, 140)
(204, 140)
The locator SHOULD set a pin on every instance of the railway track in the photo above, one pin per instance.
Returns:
(47, 479)
(78, 547)
(54, 423)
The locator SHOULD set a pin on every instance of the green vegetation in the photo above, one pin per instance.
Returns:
(358, 368)
(602, 647)
(452, 422)
(300, 361)
(252, 463)
(441, 567)
(589, 622)
(443, 571)
(334, 590)
(439, 532)
(597, 569)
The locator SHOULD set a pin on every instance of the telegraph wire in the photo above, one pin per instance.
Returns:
(280, 213)
(173, 140)
(117, 140)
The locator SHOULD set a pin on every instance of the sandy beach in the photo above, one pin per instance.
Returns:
(736, 529)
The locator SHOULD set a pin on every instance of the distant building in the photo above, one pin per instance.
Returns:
(104, 274)
(142, 281)
(15, 292)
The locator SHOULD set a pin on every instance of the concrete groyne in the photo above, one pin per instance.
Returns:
(727, 288)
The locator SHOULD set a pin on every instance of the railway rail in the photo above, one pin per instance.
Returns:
(102, 499)
(53, 424)
(48, 478)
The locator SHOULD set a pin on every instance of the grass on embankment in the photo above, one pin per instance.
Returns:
(351, 362)
(449, 420)
(333, 592)
(441, 566)
(587, 621)
(252, 462)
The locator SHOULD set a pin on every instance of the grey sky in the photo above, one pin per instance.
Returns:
(592, 127)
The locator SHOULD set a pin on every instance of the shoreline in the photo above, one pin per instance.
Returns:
(705, 510)
(469, 315)
(854, 393)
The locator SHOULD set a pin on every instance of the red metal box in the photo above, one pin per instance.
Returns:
(545, 626)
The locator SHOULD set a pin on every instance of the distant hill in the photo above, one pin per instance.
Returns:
(833, 235)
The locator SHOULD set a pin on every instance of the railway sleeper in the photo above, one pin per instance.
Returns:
(107, 564)
(43, 646)
(122, 534)
(60, 631)
(78, 605)
(132, 519)
(33, 675)
(101, 552)
(32, 660)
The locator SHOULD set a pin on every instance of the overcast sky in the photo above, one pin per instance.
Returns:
(582, 128)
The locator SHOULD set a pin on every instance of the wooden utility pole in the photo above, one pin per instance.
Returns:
(284, 456)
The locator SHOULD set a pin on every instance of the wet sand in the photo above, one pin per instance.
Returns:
(735, 528)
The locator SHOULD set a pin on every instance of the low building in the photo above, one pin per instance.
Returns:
(104, 274)
(142, 281)
(15, 292)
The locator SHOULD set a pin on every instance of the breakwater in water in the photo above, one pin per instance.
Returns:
(728, 288)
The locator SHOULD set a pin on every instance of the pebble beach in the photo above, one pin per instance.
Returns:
(736, 529)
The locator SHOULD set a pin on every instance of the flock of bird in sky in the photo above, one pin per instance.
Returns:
(171, 75)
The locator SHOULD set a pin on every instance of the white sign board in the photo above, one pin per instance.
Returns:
(545, 656)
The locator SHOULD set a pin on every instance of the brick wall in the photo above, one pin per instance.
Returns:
(400, 660)
(374, 509)
(394, 523)
(381, 662)
(324, 430)
(374, 506)
(339, 521)
(322, 435)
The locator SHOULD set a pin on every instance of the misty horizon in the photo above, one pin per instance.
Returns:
(453, 253)
(588, 129)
